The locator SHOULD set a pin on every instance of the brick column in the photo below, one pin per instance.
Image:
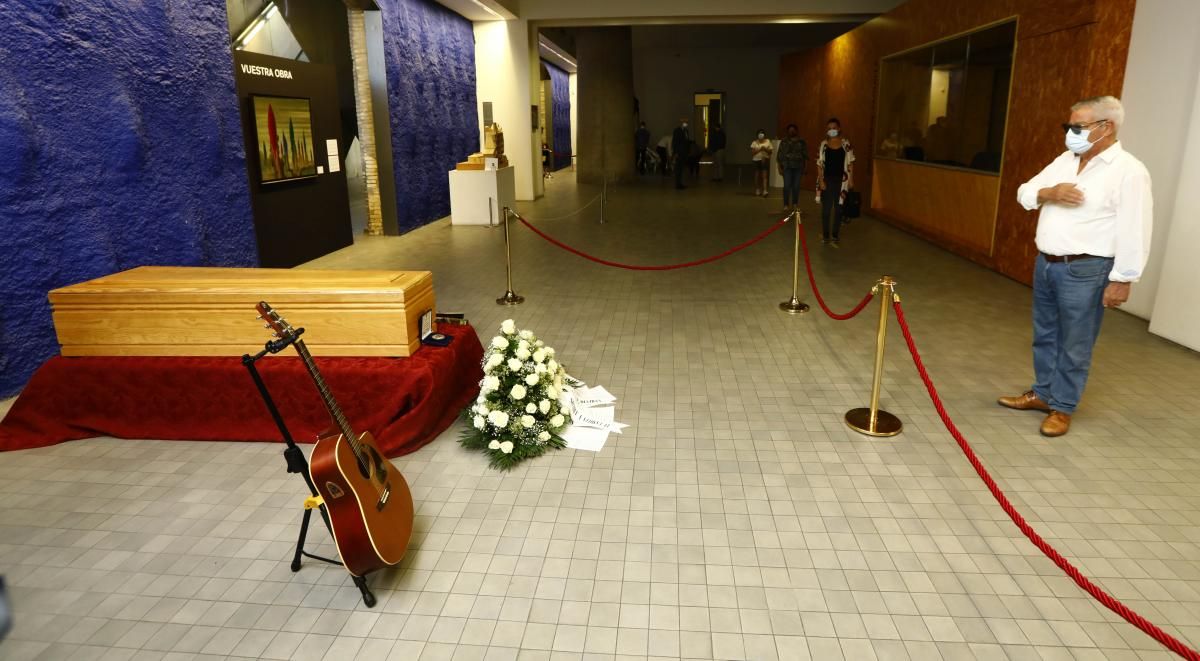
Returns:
(366, 118)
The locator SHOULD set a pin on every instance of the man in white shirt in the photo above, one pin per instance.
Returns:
(1093, 237)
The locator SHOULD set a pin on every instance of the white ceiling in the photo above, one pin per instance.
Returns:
(666, 12)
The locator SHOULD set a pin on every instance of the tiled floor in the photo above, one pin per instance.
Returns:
(737, 517)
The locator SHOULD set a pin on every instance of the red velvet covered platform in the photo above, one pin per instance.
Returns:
(404, 402)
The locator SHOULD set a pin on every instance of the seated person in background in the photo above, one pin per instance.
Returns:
(663, 149)
(891, 146)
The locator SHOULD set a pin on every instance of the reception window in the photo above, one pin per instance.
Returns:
(946, 103)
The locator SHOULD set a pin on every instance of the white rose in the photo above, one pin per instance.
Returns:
(539, 356)
(508, 327)
(494, 360)
(557, 421)
(518, 392)
(531, 408)
(490, 384)
(527, 421)
(481, 409)
(552, 392)
(523, 354)
(494, 445)
(544, 406)
(552, 366)
(478, 422)
(539, 343)
(531, 379)
(498, 418)
(550, 352)
(544, 436)
(499, 342)
(514, 364)
(506, 447)
(526, 335)
(480, 399)
(539, 368)
(523, 344)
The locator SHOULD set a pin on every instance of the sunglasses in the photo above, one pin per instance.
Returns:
(1077, 128)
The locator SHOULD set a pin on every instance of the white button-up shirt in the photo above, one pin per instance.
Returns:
(1114, 219)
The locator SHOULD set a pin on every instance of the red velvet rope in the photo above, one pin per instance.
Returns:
(1082, 581)
(817, 293)
(667, 267)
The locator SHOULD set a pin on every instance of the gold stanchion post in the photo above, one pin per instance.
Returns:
(794, 305)
(872, 421)
(509, 298)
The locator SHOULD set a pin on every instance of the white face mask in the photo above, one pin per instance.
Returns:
(761, 136)
(1078, 142)
(833, 133)
(685, 125)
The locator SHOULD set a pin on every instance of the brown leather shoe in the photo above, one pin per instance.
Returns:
(1056, 424)
(1025, 402)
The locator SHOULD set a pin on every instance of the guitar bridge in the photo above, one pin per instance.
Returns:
(383, 498)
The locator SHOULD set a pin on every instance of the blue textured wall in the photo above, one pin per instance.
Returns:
(560, 107)
(122, 146)
(430, 57)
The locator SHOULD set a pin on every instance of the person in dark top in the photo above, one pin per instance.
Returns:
(716, 144)
(681, 147)
(641, 142)
(835, 178)
(792, 158)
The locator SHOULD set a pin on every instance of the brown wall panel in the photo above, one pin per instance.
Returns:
(1066, 50)
(964, 216)
(800, 100)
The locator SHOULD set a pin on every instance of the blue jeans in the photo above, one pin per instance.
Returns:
(791, 186)
(1067, 310)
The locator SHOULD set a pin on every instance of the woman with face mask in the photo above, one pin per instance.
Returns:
(835, 178)
(760, 151)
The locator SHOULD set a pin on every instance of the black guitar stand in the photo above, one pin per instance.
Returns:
(296, 463)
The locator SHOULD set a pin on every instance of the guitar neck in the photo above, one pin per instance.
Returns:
(331, 404)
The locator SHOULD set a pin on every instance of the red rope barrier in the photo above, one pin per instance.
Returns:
(667, 267)
(817, 293)
(1069, 569)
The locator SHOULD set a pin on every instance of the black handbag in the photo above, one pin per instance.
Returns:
(852, 207)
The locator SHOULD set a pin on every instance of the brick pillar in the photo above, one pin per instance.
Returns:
(366, 118)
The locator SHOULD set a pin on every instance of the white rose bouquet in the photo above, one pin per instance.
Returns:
(518, 414)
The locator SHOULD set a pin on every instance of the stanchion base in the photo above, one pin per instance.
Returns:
(509, 298)
(886, 424)
(794, 306)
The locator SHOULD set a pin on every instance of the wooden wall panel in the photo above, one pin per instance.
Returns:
(800, 100)
(964, 216)
(1066, 50)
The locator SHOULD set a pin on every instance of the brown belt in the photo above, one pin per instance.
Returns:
(1054, 259)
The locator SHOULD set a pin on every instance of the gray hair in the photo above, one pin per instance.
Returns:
(1104, 107)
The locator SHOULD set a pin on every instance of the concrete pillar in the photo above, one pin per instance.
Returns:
(503, 67)
(605, 134)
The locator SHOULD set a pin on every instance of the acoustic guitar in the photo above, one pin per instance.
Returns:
(370, 506)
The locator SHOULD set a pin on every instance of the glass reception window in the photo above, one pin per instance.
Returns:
(946, 103)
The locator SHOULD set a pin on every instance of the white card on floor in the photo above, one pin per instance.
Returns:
(601, 418)
(593, 396)
(585, 438)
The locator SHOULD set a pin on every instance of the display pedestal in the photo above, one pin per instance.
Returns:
(478, 197)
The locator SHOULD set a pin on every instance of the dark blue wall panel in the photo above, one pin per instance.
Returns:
(430, 56)
(560, 107)
(122, 146)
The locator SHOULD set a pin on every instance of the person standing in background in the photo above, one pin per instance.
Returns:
(716, 144)
(681, 147)
(793, 156)
(835, 178)
(641, 142)
(760, 155)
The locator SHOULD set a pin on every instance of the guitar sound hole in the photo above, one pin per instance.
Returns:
(364, 469)
(379, 465)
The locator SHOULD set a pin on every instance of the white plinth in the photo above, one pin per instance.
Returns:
(471, 190)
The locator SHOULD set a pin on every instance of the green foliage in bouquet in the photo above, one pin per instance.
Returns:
(519, 413)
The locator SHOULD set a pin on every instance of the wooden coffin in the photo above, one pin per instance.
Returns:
(194, 311)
